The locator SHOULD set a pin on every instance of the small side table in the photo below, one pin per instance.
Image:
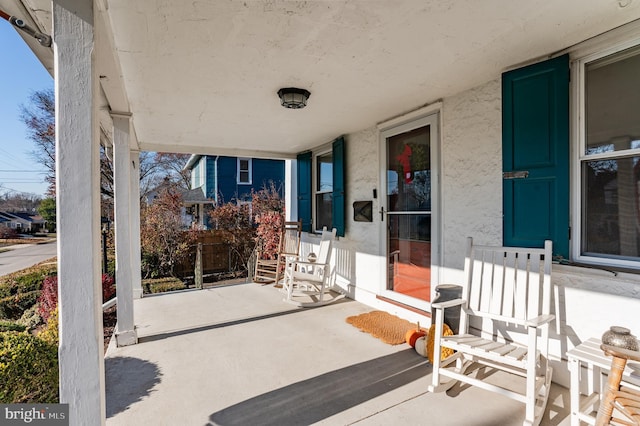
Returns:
(588, 354)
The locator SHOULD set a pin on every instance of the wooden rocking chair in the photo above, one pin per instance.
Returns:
(270, 270)
(508, 291)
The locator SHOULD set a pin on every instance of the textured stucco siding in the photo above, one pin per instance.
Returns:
(471, 184)
(589, 300)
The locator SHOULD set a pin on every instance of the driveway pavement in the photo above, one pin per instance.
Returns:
(22, 256)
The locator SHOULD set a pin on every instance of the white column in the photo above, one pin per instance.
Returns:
(291, 190)
(122, 170)
(78, 203)
(136, 256)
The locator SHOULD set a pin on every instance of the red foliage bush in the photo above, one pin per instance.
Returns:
(268, 208)
(108, 287)
(268, 234)
(48, 300)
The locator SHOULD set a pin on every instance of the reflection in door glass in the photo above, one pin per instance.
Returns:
(409, 213)
(409, 171)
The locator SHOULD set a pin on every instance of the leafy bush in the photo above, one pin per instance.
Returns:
(13, 307)
(26, 280)
(49, 297)
(30, 319)
(236, 229)
(164, 242)
(50, 333)
(108, 287)
(28, 369)
(162, 285)
(6, 232)
(268, 234)
(10, 326)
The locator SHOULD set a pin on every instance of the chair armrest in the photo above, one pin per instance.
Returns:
(541, 320)
(448, 303)
(305, 262)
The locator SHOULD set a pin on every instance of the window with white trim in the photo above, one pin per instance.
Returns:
(244, 171)
(323, 190)
(607, 168)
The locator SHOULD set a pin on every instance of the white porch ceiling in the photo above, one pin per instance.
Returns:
(202, 76)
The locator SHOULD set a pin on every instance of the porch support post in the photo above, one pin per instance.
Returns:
(136, 256)
(122, 170)
(291, 190)
(81, 346)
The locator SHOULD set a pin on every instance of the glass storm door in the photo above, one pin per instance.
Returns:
(409, 201)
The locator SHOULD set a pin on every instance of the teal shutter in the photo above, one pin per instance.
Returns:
(304, 190)
(535, 144)
(338, 201)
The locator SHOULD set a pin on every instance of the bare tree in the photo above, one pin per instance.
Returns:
(39, 117)
(172, 165)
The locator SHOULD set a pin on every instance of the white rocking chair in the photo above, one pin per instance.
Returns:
(312, 279)
(508, 291)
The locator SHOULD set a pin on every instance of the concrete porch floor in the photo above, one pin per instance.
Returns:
(239, 355)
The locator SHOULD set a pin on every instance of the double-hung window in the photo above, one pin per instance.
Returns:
(607, 166)
(324, 190)
(244, 171)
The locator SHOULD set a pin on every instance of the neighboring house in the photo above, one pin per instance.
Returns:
(195, 204)
(226, 179)
(37, 223)
(21, 221)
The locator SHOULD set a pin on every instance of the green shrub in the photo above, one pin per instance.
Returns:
(26, 280)
(30, 319)
(13, 307)
(28, 369)
(11, 326)
(50, 333)
(162, 285)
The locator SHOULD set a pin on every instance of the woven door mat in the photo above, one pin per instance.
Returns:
(382, 325)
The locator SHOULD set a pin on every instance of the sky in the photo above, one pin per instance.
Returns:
(21, 74)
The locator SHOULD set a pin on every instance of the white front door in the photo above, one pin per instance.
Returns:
(409, 203)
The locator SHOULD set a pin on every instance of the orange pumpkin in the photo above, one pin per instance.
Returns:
(412, 335)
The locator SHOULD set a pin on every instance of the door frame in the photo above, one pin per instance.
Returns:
(428, 116)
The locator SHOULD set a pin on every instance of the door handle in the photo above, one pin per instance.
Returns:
(382, 214)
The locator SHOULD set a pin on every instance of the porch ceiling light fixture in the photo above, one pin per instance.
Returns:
(291, 97)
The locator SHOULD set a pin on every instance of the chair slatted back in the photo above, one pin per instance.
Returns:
(508, 283)
(326, 240)
(291, 236)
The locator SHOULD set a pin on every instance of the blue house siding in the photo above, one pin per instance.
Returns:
(210, 179)
(262, 172)
(220, 181)
(265, 171)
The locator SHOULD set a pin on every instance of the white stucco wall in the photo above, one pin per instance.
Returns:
(591, 300)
